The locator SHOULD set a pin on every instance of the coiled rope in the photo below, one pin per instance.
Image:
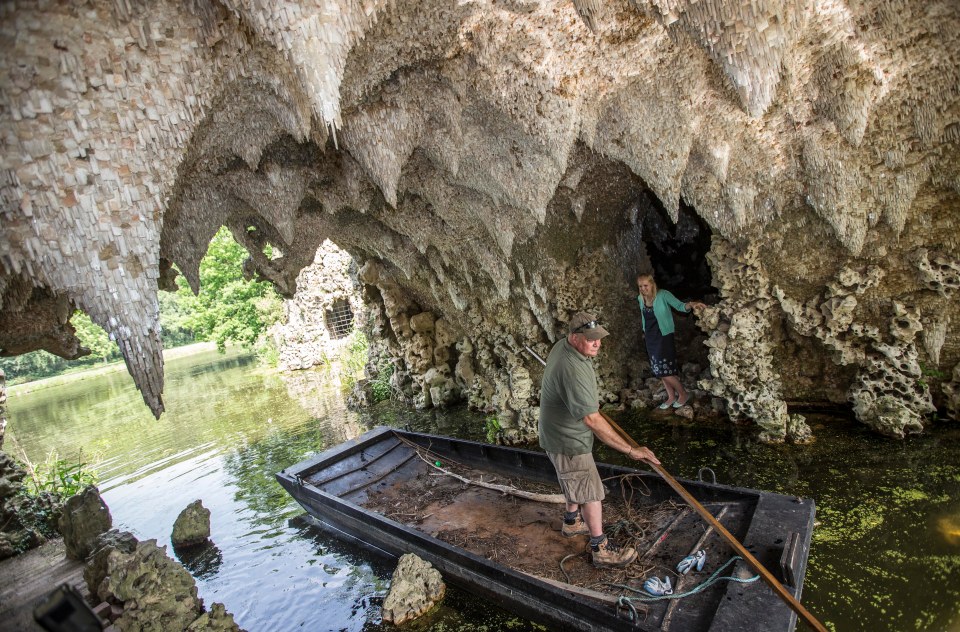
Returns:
(627, 602)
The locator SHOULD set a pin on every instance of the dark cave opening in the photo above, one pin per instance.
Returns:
(678, 252)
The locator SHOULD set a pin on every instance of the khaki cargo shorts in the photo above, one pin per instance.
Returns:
(579, 478)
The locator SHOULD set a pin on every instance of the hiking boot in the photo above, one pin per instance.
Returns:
(608, 554)
(578, 527)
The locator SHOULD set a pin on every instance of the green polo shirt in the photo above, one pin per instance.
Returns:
(568, 393)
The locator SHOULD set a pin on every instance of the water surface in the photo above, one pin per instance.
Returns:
(885, 554)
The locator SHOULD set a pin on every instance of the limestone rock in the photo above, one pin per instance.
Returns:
(952, 392)
(798, 431)
(217, 619)
(685, 412)
(325, 310)
(150, 590)
(85, 516)
(422, 323)
(888, 395)
(3, 407)
(25, 521)
(415, 588)
(501, 166)
(192, 526)
(11, 477)
(740, 350)
(156, 592)
(97, 567)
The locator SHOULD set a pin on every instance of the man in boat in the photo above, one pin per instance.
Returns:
(569, 419)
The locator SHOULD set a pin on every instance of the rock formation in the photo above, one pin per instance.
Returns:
(192, 526)
(3, 406)
(147, 590)
(493, 167)
(25, 521)
(85, 517)
(322, 314)
(416, 586)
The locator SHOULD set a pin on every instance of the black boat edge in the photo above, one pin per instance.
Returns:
(758, 608)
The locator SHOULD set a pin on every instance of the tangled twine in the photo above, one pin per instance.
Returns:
(627, 602)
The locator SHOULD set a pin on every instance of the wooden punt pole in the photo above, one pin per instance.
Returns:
(741, 550)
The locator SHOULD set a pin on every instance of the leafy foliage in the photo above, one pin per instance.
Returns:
(228, 307)
(494, 428)
(39, 514)
(32, 366)
(38, 505)
(380, 387)
(175, 330)
(353, 356)
(93, 337)
(62, 477)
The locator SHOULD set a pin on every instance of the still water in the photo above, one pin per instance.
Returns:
(885, 553)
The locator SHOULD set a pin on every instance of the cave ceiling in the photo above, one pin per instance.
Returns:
(495, 160)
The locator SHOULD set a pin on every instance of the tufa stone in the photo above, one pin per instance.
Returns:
(84, 518)
(415, 588)
(192, 526)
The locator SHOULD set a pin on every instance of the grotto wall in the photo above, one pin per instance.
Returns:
(493, 167)
(324, 311)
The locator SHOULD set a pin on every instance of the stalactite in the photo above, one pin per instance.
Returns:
(486, 154)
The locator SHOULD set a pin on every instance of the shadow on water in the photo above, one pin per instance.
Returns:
(885, 554)
(202, 560)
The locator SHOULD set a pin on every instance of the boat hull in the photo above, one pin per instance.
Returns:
(335, 486)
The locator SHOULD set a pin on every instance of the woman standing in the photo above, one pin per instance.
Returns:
(657, 320)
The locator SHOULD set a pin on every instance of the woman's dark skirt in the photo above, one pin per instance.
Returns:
(663, 355)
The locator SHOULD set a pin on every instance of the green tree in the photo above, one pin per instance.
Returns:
(228, 307)
(175, 329)
(93, 337)
(32, 366)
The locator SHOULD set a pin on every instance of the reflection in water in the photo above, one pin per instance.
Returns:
(312, 390)
(202, 560)
(949, 528)
(885, 554)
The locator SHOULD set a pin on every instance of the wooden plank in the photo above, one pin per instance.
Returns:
(788, 561)
(31, 576)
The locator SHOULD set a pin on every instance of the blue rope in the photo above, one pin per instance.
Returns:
(627, 602)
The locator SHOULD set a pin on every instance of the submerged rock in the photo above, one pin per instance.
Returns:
(798, 431)
(192, 526)
(216, 620)
(415, 588)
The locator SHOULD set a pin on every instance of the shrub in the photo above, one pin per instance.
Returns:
(493, 429)
(380, 388)
(61, 477)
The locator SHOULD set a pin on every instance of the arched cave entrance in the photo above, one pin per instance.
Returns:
(677, 255)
